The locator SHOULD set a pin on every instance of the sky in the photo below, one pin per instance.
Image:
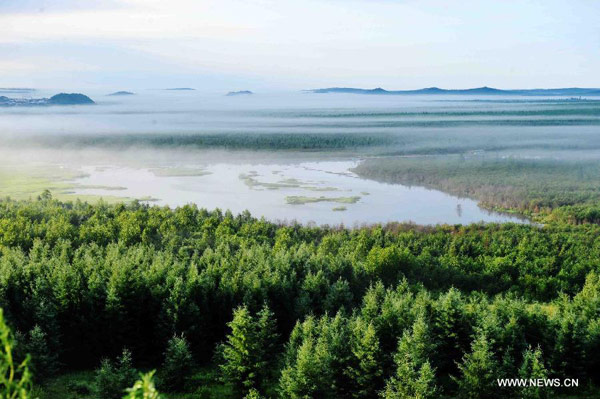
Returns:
(299, 44)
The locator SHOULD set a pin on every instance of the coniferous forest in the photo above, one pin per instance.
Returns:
(215, 305)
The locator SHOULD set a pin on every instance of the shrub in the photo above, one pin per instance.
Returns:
(143, 388)
(177, 366)
(44, 362)
(253, 394)
(15, 380)
(81, 388)
(113, 377)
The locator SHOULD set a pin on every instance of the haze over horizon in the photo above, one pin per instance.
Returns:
(289, 45)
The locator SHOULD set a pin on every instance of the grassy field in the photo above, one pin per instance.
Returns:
(28, 182)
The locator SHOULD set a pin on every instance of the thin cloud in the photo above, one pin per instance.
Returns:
(397, 44)
(53, 6)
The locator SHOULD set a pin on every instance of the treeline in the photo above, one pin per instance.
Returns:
(301, 312)
(232, 141)
(531, 186)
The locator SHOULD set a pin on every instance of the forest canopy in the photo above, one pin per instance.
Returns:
(291, 311)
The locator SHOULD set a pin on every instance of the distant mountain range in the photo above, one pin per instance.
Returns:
(239, 93)
(58, 99)
(6, 90)
(121, 93)
(571, 91)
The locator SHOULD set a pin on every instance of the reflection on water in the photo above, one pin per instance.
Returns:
(320, 192)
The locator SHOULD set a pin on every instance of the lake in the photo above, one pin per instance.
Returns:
(319, 192)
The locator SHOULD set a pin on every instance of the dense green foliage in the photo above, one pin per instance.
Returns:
(247, 355)
(15, 377)
(301, 312)
(43, 362)
(143, 388)
(113, 377)
(178, 363)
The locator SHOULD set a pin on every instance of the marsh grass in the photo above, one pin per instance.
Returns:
(301, 200)
(28, 182)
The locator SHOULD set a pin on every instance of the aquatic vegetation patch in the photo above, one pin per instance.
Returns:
(99, 187)
(251, 181)
(301, 200)
(315, 188)
(29, 181)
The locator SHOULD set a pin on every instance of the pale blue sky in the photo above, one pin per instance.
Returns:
(296, 44)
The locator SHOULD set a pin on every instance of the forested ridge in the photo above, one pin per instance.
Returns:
(291, 311)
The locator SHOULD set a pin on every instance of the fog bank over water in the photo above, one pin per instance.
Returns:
(286, 155)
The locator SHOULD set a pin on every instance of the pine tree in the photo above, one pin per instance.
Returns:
(266, 344)
(533, 368)
(569, 357)
(253, 394)
(177, 366)
(449, 330)
(44, 362)
(414, 376)
(112, 378)
(479, 371)
(336, 336)
(309, 376)
(249, 351)
(424, 387)
(365, 369)
(238, 351)
(125, 369)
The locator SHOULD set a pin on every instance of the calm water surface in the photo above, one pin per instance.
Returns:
(265, 190)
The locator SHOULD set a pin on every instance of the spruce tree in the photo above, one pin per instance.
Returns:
(113, 377)
(365, 366)
(569, 350)
(250, 349)
(533, 368)
(44, 362)
(238, 351)
(309, 376)
(253, 394)
(479, 371)
(337, 337)
(414, 377)
(266, 344)
(177, 366)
